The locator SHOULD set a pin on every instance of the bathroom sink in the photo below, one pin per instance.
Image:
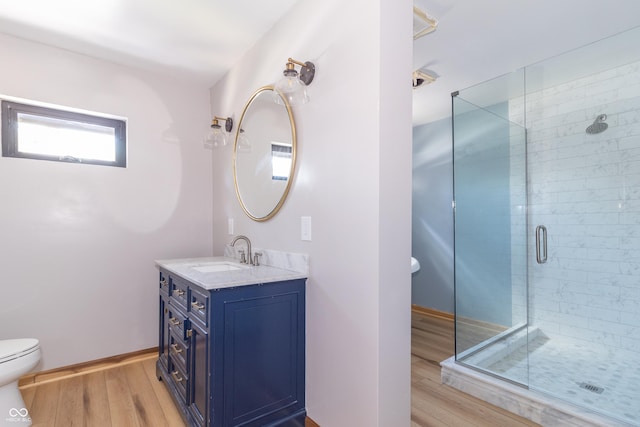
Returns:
(217, 267)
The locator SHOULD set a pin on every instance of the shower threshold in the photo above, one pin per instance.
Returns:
(535, 406)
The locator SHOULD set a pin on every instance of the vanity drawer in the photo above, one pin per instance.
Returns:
(179, 379)
(199, 304)
(179, 293)
(164, 283)
(178, 349)
(177, 323)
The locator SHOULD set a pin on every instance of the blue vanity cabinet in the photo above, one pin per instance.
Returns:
(244, 351)
(163, 339)
(199, 337)
(178, 367)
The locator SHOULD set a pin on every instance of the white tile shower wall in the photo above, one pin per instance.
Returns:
(586, 190)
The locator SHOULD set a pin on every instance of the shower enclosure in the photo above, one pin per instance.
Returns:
(547, 237)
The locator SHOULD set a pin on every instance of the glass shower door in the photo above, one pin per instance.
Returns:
(490, 240)
(583, 121)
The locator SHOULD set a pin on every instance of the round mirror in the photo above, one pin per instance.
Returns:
(264, 155)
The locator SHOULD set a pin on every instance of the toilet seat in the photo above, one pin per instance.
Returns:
(15, 348)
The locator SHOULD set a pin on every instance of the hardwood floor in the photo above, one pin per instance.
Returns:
(129, 394)
(121, 396)
(435, 404)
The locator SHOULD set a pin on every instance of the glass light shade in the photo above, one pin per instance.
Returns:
(216, 137)
(291, 88)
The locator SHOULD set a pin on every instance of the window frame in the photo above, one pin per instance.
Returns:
(9, 111)
(285, 151)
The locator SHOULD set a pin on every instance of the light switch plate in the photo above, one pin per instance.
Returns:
(230, 224)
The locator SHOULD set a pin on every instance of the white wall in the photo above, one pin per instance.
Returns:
(354, 180)
(78, 241)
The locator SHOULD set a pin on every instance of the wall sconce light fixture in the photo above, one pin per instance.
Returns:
(293, 86)
(243, 141)
(216, 136)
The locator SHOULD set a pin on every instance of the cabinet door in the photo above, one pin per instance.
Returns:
(199, 373)
(263, 353)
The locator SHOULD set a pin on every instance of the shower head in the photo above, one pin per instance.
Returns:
(598, 125)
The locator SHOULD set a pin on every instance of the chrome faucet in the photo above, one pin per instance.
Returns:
(243, 259)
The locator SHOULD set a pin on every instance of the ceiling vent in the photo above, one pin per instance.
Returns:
(422, 78)
(423, 24)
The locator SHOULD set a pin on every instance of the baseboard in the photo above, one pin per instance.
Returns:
(488, 326)
(432, 312)
(86, 367)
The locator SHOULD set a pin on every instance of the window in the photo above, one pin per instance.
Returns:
(280, 161)
(34, 132)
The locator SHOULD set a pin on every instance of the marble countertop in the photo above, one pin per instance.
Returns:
(277, 266)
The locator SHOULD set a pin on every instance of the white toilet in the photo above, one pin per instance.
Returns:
(17, 357)
(415, 265)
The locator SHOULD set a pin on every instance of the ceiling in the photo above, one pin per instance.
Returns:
(204, 39)
(478, 40)
(474, 41)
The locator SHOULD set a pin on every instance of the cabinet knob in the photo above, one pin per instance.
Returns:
(164, 282)
(176, 349)
(176, 376)
(174, 321)
(178, 292)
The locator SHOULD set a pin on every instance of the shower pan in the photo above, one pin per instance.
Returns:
(547, 238)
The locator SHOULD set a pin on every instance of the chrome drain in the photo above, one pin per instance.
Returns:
(591, 387)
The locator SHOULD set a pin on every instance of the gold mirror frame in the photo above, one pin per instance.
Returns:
(239, 129)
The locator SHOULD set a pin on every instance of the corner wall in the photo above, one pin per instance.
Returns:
(79, 241)
(353, 179)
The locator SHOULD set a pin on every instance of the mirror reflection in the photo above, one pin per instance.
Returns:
(264, 155)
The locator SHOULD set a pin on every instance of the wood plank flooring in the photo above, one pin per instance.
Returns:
(435, 404)
(130, 394)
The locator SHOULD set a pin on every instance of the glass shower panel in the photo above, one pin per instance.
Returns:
(583, 125)
(547, 227)
(490, 232)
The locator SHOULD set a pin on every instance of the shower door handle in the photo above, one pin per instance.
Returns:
(541, 244)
